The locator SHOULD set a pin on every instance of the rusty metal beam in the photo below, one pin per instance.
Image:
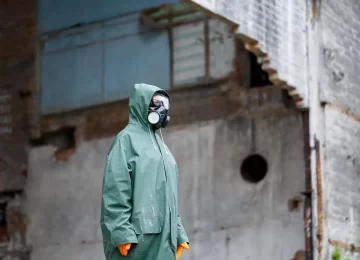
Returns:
(308, 227)
(174, 14)
(189, 21)
(163, 21)
(149, 22)
(320, 217)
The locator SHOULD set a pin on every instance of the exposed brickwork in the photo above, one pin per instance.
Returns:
(17, 73)
(18, 21)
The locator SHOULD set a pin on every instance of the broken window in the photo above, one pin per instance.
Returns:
(258, 77)
(3, 224)
(63, 139)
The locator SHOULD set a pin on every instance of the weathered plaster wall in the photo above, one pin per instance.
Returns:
(339, 93)
(225, 217)
(340, 31)
(318, 44)
(342, 171)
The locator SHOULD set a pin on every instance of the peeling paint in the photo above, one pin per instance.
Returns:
(294, 204)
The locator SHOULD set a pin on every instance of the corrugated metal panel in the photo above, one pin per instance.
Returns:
(133, 60)
(52, 13)
(222, 49)
(71, 79)
(189, 53)
(101, 62)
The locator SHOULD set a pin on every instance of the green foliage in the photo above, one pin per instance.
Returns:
(336, 255)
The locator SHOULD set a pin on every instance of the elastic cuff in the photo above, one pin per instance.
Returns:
(182, 240)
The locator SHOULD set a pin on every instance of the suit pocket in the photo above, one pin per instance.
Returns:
(147, 225)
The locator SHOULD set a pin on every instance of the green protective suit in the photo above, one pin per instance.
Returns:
(139, 197)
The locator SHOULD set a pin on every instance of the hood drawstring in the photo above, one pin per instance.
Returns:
(151, 138)
(166, 150)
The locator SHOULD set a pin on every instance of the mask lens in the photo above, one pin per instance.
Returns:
(161, 100)
(156, 102)
(166, 103)
(153, 118)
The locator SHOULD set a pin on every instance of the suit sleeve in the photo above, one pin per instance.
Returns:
(181, 235)
(117, 196)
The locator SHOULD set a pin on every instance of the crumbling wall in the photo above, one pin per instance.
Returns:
(276, 32)
(226, 216)
(13, 248)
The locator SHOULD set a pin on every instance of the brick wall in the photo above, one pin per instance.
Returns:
(340, 96)
(18, 21)
(17, 73)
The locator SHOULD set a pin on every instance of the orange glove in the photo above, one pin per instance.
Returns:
(124, 248)
(180, 248)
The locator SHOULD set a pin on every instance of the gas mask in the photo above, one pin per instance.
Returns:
(158, 117)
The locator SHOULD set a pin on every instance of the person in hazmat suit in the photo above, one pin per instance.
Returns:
(139, 212)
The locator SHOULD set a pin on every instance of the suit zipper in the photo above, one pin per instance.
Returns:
(162, 158)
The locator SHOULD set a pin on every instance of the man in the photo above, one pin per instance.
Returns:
(139, 213)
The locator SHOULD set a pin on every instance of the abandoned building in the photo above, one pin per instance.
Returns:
(265, 122)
